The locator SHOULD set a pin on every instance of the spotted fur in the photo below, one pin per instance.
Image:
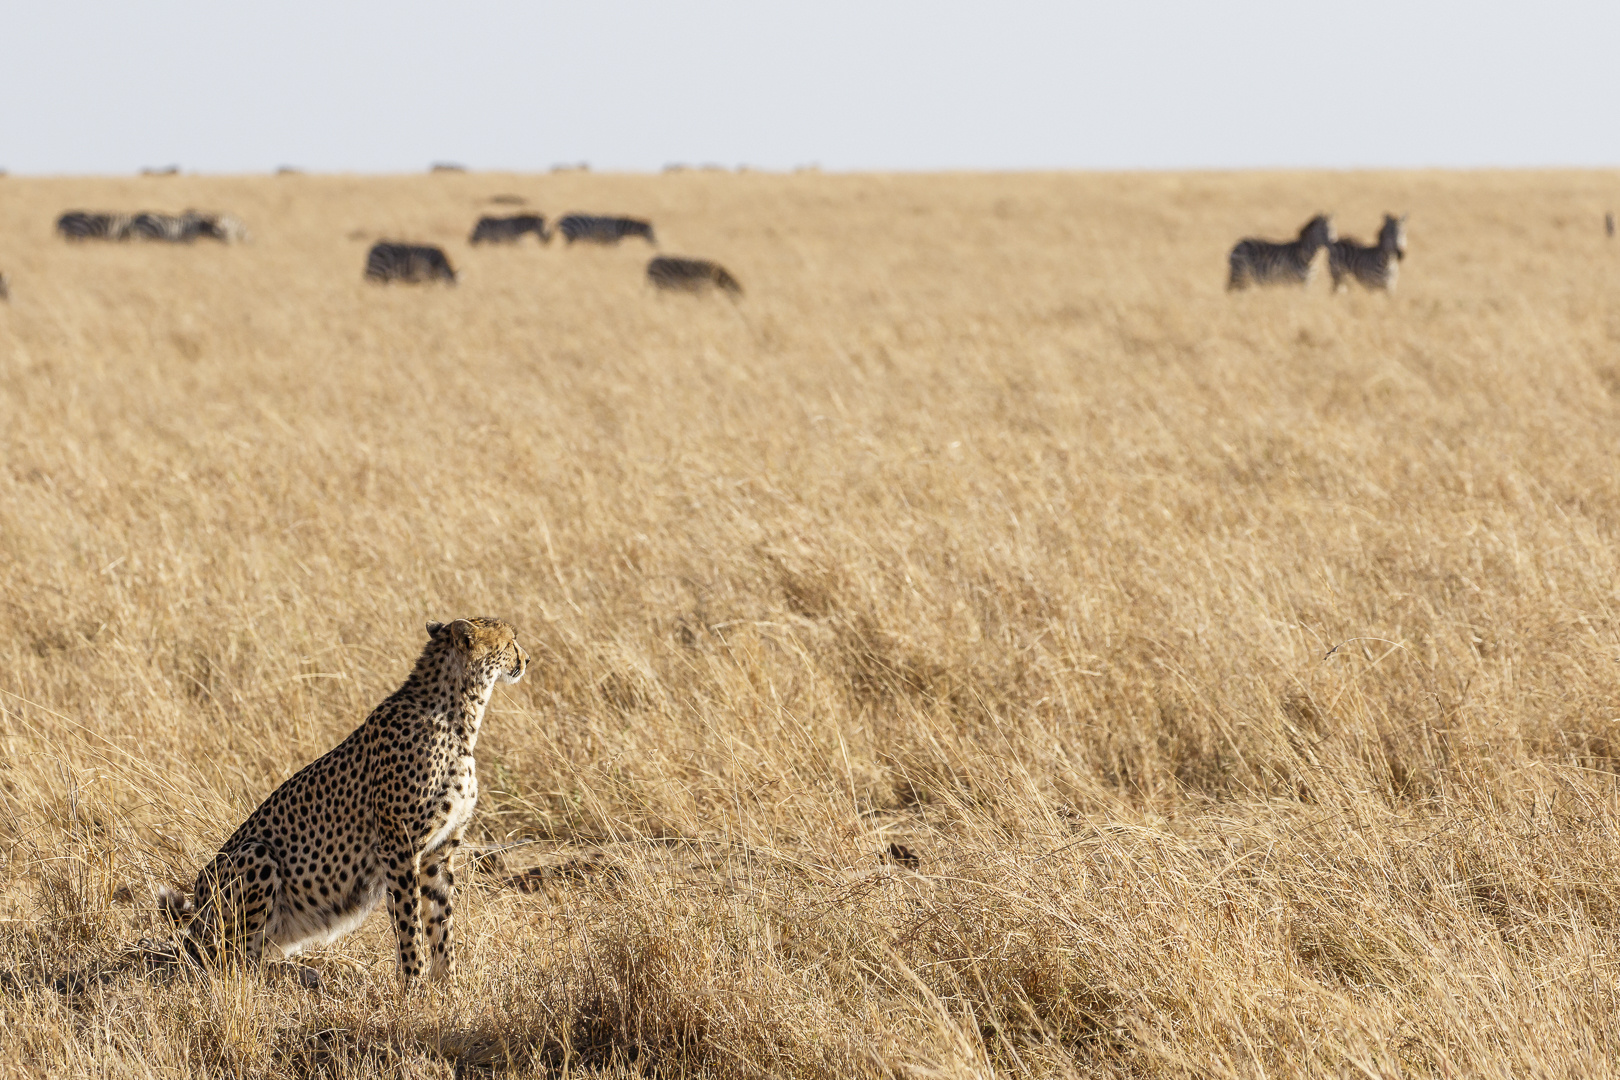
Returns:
(382, 813)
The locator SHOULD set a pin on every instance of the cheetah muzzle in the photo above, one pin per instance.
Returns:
(380, 815)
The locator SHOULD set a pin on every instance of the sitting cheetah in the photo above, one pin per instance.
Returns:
(386, 809)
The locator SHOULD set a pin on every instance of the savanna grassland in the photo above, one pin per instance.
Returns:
(1242, 671)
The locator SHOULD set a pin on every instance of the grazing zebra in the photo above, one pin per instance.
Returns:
(184, 228)
(83, 225)
(603, 230)
(169, 228)
(1261, 262)
(690, 275)
(1374, 267)
(506, 230)
(407, 262)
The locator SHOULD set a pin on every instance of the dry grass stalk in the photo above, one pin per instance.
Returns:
(1239, 671)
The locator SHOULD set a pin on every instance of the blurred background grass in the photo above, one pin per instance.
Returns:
(1242, 669)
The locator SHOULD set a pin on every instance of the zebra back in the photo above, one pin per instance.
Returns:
(499, 230)
(690, 275)
(603, 230)
(164, 227)
(1266, 262)
(1375, 267)
(83, 225)
(388, 261)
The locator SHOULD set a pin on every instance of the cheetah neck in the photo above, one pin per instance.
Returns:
(454, 694)
(472, 699)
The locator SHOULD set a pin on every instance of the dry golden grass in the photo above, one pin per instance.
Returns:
(1243, 670)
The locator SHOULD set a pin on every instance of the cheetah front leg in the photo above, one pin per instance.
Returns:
(438, 886)
(404, 864)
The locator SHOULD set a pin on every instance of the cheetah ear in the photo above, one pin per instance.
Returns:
(461, 635)
(434, 628)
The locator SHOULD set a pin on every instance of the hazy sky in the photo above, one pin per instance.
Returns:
(371, 87)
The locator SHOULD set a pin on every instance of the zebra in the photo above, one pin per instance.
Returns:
(387, 261)
(169, 228)
(690, 275)
(1374, 267)
(185, 227)
(83, 225)
(603, 230)
(502, 230)
(1261, 262)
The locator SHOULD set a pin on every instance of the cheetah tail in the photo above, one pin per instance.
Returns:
(174, 905)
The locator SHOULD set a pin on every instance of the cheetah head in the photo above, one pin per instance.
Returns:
(484, 644)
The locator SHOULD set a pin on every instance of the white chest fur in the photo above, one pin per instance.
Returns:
(461, 792)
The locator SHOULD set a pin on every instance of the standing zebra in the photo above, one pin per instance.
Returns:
(505, 230)
(1262, 262)
(603, 230)
(690, 275)
(83, 225)
(1374, 267)
(388, 261)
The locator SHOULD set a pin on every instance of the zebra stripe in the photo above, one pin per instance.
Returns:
(388, 261)
(505, 230)
(167, 228)
(1262, 262)
(603, 230)
(690, 275)
(1374, 267)
(83, 225)
(147, 225)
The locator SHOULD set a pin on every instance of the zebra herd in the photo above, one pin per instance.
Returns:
(1267, 262)
(389, 260)
(180, 228)
(590, 228)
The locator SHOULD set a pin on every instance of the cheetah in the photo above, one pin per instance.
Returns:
(383, 811)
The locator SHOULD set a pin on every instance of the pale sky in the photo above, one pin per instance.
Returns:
(499, 84)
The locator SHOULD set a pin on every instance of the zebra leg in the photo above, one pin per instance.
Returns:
(438, 886)
(1237, 267)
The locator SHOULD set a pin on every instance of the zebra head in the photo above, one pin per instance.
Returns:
(1392, 237)
(1318, 232)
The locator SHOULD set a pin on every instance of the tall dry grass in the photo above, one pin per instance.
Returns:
(1242, 670)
